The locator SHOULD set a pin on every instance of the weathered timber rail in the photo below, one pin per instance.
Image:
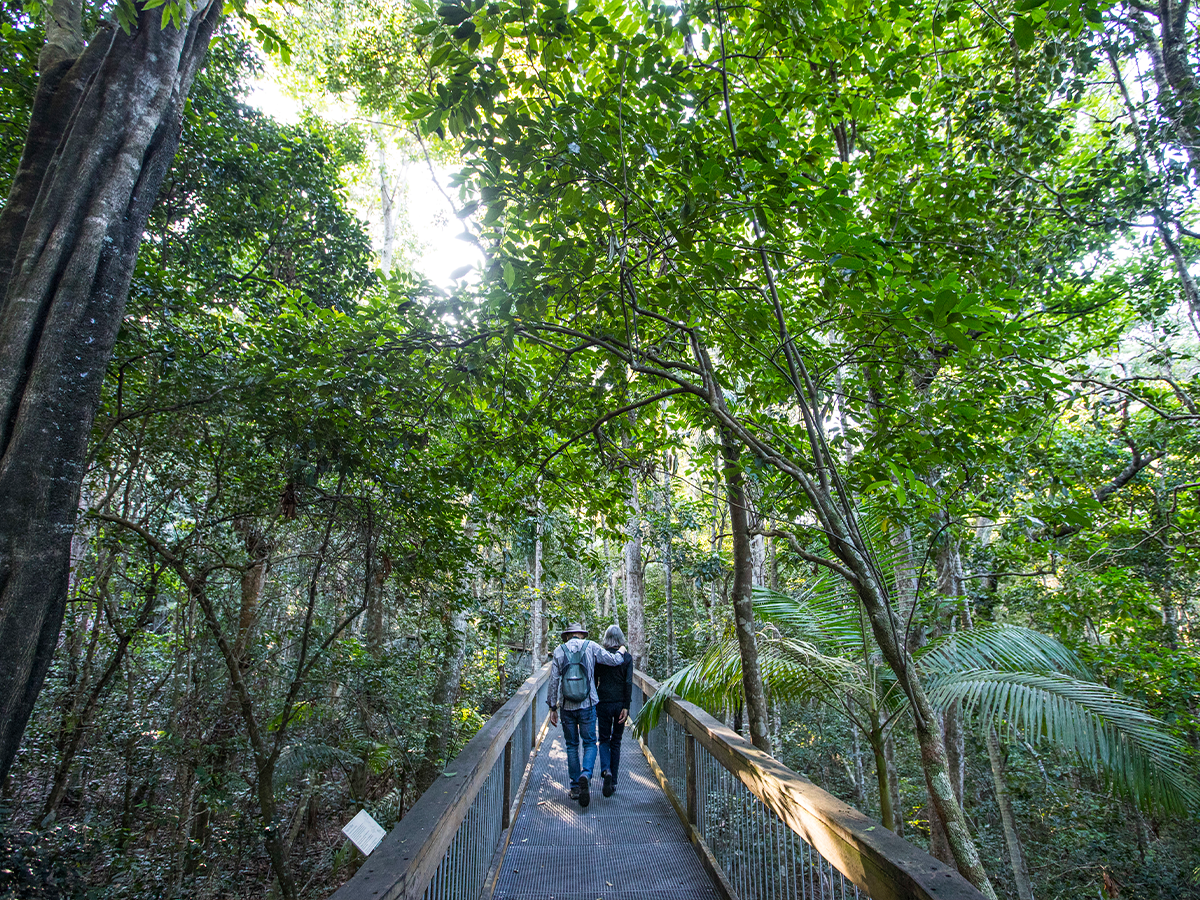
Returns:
(761, 831)
(769, 833)
(442, 849)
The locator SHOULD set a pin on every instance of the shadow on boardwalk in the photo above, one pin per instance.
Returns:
(630, 846)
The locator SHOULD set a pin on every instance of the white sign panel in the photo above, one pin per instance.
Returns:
(365, 832)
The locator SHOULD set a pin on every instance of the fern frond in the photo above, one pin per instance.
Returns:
(297, 760)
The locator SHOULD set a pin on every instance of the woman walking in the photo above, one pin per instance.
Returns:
(614, 686)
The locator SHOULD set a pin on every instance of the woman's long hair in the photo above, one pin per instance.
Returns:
(613, 638)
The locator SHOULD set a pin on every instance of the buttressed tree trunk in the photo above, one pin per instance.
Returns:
(103, 132)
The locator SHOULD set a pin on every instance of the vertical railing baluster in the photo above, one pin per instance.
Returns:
(690, 762)
(507, 799)
(793, 870)
(760, 890)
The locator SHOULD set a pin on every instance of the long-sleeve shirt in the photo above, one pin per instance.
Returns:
(592, 653)
(615, 683)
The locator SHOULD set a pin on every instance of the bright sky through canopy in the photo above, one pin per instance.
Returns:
(430, 218)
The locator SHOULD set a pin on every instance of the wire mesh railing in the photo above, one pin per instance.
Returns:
(443, 848)
(767, 833)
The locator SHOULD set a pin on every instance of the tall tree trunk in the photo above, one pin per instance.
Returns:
(445, 694)
(714, 541)
(939, 839)
(600, 548)
(955, 737)
(376, 574)
(889, 632)
(1016, 854)
(387, 203)
(254, 577)
(836, 512)
(893, 777)
(1168, 51)
(883, 774)
(951, 586)
(635, 581)
(104, 129)
(537, 612)
(858, 771)
(668, 550)
(758, 543)
(743, 600)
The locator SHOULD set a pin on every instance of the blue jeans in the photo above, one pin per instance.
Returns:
(577, 724)
(610, 736)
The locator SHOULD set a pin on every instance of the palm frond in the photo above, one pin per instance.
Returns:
(792, 670)
(822, 615)
(879, 531)
(1008, 647)
(1106, 731)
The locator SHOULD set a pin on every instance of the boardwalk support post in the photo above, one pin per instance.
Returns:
(690, 756)
(504, 817)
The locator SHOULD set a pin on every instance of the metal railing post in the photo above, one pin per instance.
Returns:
(504, 816)
(690, 757)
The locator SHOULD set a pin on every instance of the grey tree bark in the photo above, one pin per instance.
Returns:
(635, 581)
(1016, 853)
(445, 693)
(893, 780)
(884, 774)
(951, 586)
(743, 600)
(537, 605)
(104, 129)
(670, 465)
(387, 204)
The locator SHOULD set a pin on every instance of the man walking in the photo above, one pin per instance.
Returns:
(573, 692)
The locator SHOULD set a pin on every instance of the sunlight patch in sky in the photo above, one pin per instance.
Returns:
(430, 227)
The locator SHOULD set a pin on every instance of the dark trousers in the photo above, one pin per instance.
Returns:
(610, 735)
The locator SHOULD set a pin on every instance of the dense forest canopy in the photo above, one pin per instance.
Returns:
(844, 353)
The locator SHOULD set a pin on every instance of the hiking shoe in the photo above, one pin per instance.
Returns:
(574, 792)
(609, 786)
(585, 796)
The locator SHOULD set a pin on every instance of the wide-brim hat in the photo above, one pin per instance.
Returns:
(574, 628)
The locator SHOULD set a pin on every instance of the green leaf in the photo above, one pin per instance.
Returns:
(452, 14)
(1023, 32)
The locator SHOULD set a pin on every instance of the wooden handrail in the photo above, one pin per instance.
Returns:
(882, 863)
(407, 859)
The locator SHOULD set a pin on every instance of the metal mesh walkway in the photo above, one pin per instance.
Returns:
(630, 846)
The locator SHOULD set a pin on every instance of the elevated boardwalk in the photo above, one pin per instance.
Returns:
(631, 846)
(699, 813)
